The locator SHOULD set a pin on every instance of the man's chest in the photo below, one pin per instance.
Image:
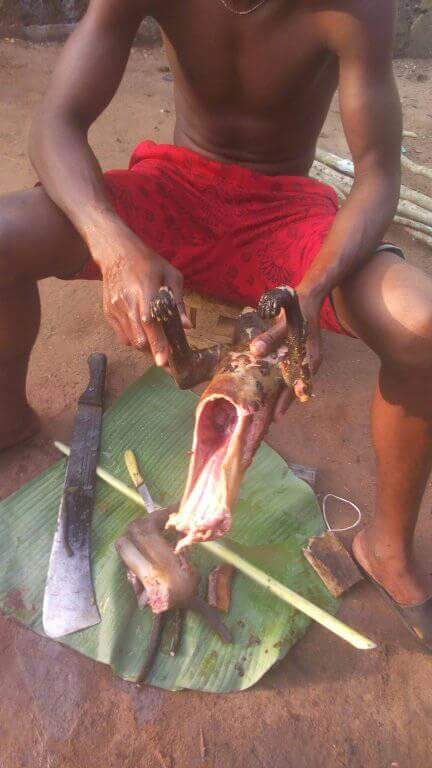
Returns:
(254, 61)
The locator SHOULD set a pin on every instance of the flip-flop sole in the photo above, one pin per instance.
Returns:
(417, 618)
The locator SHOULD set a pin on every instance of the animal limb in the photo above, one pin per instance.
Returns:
(189, 366)
(294, 365)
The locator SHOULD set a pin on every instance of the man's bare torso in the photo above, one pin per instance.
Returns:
(251, 89)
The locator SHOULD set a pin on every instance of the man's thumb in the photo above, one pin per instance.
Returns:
(314, 352)
(269, 340)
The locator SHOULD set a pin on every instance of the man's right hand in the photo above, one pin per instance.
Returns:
(132, 274)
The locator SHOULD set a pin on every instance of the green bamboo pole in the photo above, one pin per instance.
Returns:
(260, 577)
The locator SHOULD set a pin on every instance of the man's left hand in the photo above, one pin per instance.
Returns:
(270, 340)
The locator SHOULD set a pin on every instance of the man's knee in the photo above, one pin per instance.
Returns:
(36, 239)
(411, 344)
(24, 222)
(388, 304)
(7, 263)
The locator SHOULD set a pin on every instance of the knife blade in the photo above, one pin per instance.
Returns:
(138, 481)
(69, 601)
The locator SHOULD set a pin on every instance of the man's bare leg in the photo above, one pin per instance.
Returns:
(389, 305)
(36, 241)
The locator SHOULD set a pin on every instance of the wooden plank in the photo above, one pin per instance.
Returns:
(213, 321)
(333, 563)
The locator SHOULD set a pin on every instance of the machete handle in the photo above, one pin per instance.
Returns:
(93, 395)
(133, 468)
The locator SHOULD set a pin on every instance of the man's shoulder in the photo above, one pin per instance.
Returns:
(363, 11)
(370, 11)
(359, 23)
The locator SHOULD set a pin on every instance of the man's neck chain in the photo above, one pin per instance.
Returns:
(229, 7)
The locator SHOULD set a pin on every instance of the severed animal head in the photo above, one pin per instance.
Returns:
(163, 581)
(159, 577)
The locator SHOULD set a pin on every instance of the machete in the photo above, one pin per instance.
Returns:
(69, 601)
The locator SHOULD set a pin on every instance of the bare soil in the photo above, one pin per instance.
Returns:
(326, 703)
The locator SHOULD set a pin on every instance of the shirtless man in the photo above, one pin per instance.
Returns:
(253, 84)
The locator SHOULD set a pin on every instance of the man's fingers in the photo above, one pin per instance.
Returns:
(158, 343)
(271, 339)
(117, 327)
(147, 333)
(137, 331)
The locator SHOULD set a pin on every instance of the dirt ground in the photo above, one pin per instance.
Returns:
(326, 703)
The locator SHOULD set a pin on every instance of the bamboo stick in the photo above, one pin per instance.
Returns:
(334, 161)
(341, 184)
(411, 224)
(427, 239)
(320, 176)
(324, 172)
(110, 479)
(345, 167)
(418, 198)
(419, 170)
(260, 577)
(405, 208)
(289, 596)
(415, 212)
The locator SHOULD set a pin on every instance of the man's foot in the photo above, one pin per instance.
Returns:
(24, 427)
(403, 579)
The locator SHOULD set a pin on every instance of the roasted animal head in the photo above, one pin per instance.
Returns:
(231, 419)
(235, 410)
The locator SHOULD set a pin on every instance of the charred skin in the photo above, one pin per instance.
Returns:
(232, 417)
(189, 366)
(236, 409)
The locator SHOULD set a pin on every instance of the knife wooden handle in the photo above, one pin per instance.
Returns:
(94, 393)
(133, 468)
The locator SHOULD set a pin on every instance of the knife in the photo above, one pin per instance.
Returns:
(138, 481)
(69, 600)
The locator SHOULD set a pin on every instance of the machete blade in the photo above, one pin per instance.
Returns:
(69, 601)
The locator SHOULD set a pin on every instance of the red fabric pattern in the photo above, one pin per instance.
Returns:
(232, 232)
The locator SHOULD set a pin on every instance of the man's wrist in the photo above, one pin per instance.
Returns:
(97, 222)
(100, 230)
(313, 292)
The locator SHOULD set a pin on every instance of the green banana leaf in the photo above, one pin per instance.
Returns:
(275, 516)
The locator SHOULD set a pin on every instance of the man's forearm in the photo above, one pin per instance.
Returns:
(356, 232)
(71, 175)
(85, 80)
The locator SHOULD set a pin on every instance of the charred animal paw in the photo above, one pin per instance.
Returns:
(163, 306)
(294, 364)
(272, 302)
